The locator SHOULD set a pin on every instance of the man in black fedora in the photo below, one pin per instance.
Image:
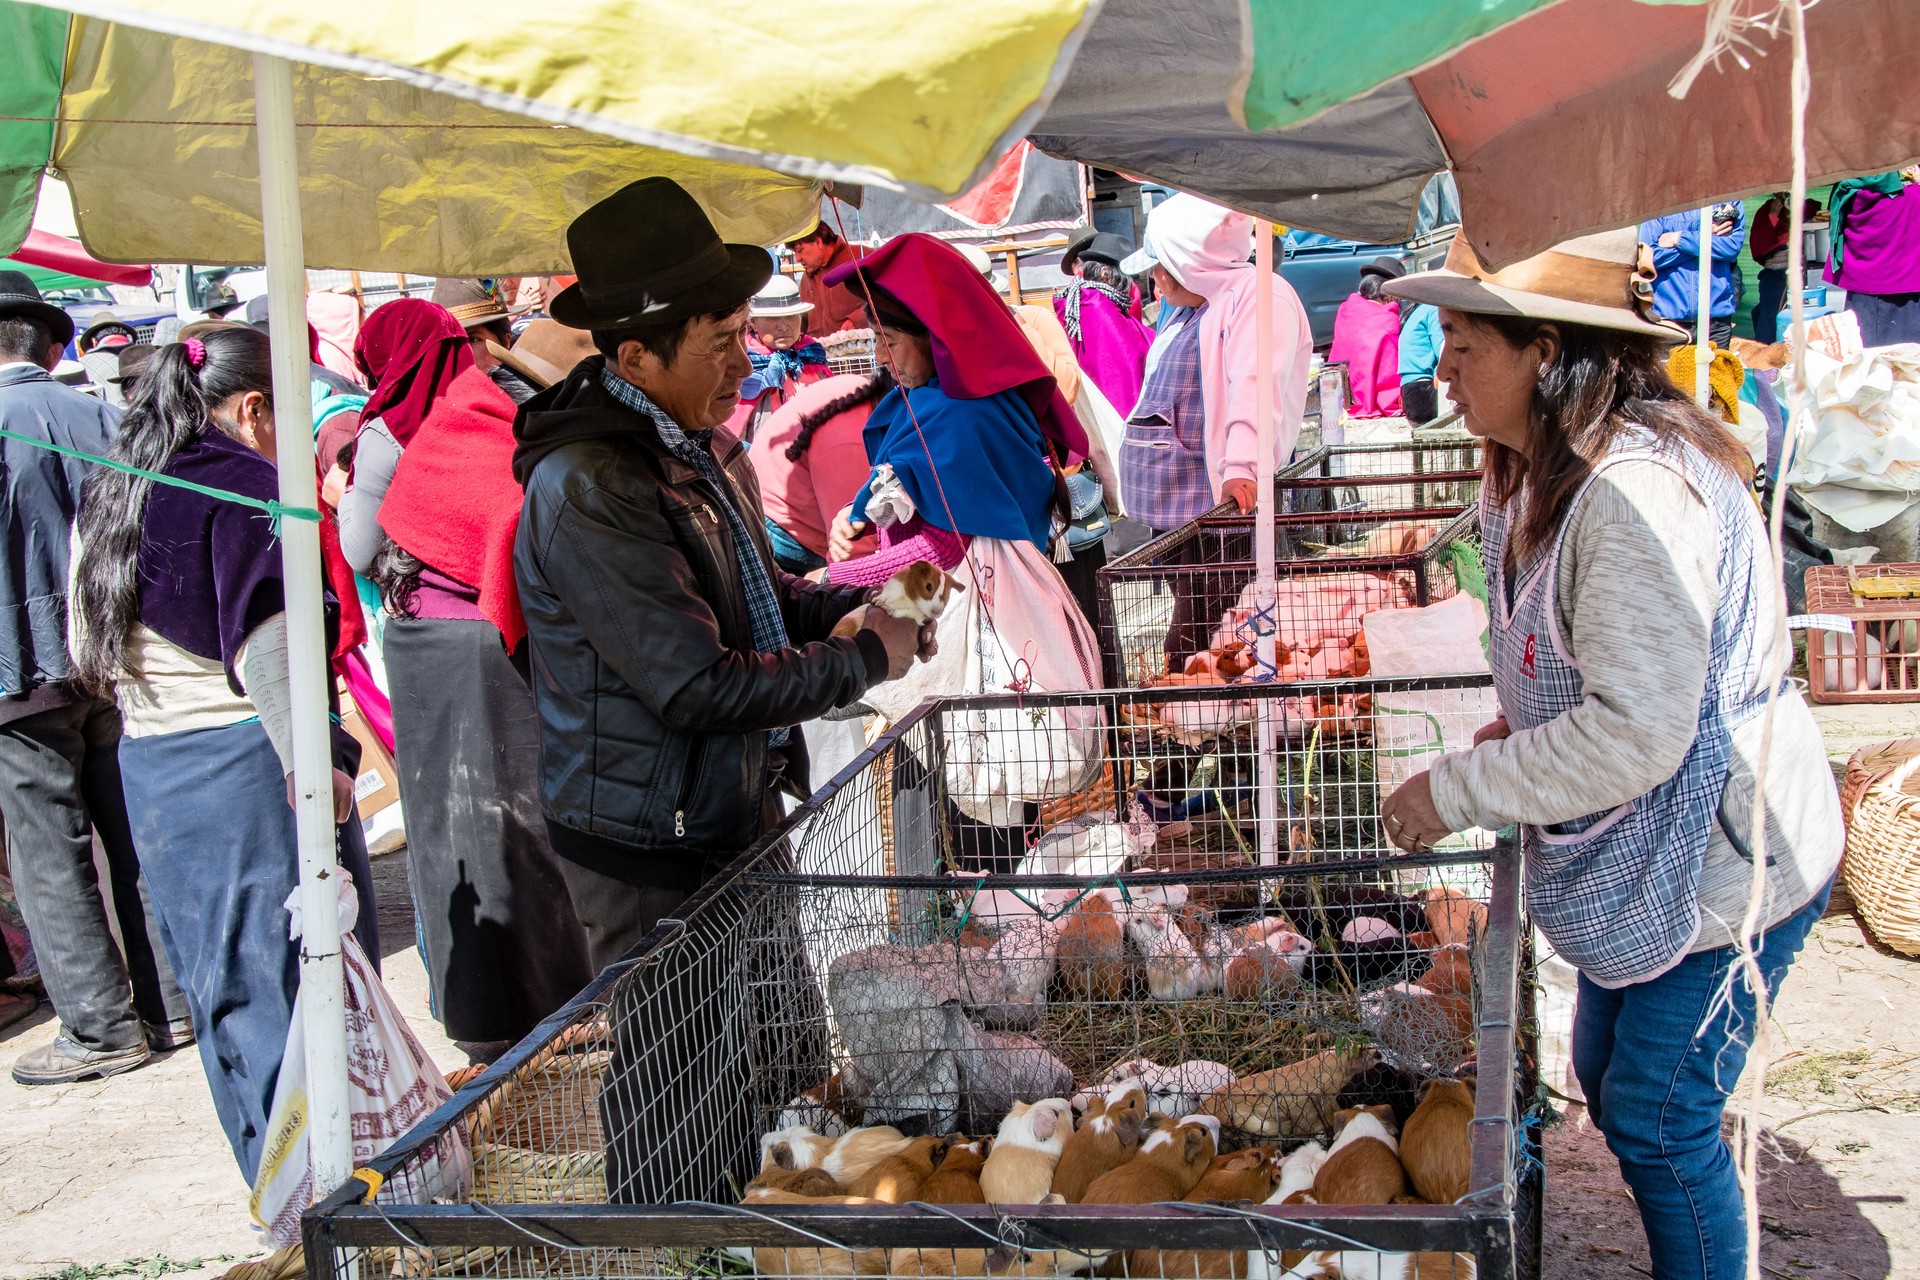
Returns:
(671, 657)
(59, 748)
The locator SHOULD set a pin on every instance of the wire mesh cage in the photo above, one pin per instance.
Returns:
(1184, 604)
(851, 351)
(860, 1050)
(1434, 470)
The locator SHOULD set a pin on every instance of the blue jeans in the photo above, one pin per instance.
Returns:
(1766, 312)
(1657, 1080)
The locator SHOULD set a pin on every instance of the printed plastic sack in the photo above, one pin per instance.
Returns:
(391, 1083)
(1014, 629)
(1412, 730)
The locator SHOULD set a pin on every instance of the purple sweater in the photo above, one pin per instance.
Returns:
(1882, 253)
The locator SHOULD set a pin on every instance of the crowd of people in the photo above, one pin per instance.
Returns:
(601, 538)
(585, 547)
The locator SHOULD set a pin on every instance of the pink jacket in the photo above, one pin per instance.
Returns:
(803, 497)
(1229, 356)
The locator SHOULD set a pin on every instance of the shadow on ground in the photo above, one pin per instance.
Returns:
(1810, 1228)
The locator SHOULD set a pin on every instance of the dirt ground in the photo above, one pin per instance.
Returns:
(131, 1176)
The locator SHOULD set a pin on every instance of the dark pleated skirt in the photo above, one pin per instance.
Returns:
(502, 946)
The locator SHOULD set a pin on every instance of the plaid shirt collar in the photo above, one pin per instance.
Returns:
(677, 440)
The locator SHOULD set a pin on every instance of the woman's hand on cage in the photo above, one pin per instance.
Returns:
(1493, 732)
(1412, 822)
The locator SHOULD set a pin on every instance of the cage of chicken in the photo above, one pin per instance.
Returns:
(1866, 646)
(1433, 470)
(1252, 1043)
(1182, 608)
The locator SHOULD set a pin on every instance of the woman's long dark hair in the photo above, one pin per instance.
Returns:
(866, 393)
(1602, 384)
(171, 408)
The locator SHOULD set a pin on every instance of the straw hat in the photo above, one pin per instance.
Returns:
(1604, 280)
(780, 297)
(546, 353)
(471, 301)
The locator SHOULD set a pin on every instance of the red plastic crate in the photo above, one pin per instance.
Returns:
(1879, 661)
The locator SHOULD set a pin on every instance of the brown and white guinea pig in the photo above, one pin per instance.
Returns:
(918, 592)
(1435, 1146)
(796, 1182)
(1363, 1165)
(1108, 1136)
(1019, 1169)
(858, 1150)
(1269, 966)
(899, 1177)
(1092, 954)
(794, 1147)
(957, 1180)
(1170, 1164)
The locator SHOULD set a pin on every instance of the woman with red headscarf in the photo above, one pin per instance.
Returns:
(968, 452)
(410, 350)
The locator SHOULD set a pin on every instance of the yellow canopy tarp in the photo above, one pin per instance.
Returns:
(915, 95)
(156, 142)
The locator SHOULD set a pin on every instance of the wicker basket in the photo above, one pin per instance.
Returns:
(1881, 799)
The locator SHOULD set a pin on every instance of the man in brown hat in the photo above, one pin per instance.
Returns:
(671, 657)
(479, 303)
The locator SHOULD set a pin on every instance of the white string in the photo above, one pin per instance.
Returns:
(1729, 33)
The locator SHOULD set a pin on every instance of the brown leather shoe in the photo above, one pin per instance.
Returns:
(64, 1062)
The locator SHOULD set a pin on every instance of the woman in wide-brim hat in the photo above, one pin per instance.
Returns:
(1634, 608)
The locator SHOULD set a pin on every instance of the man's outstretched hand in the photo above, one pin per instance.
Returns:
(906, 640)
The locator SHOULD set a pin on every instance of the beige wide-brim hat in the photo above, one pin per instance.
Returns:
(1604, 280)
(546, 353)
(780, 297)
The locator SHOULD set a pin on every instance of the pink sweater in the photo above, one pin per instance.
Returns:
(900, 546)
(803, 497)
(1229, 357)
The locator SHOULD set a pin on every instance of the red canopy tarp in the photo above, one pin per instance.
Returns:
(57, 253)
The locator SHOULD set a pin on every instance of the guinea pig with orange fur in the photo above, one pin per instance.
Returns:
(1435, 1147)
(1170, 1164)
(898, 1178)
(1091, 958)
(957, 1180)
(1019, 1169)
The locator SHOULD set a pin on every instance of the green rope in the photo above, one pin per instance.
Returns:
(278, 511)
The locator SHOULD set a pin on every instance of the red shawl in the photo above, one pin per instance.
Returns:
(978, 348)
(454, 502)
(411, 350)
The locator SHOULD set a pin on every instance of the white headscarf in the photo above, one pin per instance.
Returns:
(1202, 244)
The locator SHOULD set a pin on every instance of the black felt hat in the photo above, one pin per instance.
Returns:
(648, 253)
(19, 296)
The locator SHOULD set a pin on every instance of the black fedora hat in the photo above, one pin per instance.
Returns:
(648, 253)
(19, 296)
(1385, 268)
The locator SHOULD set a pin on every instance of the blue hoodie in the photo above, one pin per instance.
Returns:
(1677, 287)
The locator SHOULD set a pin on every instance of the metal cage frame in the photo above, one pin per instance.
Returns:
(1498, 1221)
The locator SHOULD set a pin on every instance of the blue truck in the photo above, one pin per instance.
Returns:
(1325, 271)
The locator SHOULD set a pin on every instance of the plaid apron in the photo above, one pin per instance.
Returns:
(1617, 892)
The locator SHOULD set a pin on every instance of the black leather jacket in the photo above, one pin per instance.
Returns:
(654, 706)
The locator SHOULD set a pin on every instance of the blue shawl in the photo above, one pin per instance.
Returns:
(993, 479)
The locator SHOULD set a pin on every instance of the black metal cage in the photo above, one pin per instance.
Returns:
(922, 947)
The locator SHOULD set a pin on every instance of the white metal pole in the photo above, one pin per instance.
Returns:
(1703, 309)
(329, 1132)
(1267, 801)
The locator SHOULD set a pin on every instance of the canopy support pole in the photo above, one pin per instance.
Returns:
(1267, 803)
(323, 1003)
(1703, 310)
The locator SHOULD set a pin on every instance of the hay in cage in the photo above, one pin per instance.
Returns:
(859, 973)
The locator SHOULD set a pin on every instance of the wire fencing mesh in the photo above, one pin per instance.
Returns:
(1013, 910)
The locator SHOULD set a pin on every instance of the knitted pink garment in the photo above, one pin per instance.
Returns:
(898, 549)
